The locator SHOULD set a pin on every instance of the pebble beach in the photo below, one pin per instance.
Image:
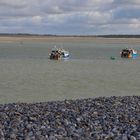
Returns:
(102, 118)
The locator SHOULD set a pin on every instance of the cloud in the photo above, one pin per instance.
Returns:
(127, 2)
(70, 17)
(127, 12)
(13, 3)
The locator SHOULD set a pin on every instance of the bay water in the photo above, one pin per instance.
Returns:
(27, 75)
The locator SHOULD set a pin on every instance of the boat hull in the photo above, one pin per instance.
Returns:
(134, 55)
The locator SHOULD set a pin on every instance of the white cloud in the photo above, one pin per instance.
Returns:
(69, 16)
(13, 3)
(37, 19)
(135, 24)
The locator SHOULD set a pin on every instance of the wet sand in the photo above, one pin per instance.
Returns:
(67, 39)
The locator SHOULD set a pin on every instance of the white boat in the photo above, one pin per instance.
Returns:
(58, 53)
(129, 53)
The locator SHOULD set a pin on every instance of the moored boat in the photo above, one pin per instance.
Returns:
(58, 53)
(128, 53)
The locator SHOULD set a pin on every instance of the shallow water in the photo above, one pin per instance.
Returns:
(27, 75)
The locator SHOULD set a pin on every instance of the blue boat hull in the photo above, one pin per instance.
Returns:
(134, 55)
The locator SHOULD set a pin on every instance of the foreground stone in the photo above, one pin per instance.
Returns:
(104, 118)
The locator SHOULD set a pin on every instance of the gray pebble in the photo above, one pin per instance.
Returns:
(100, 118)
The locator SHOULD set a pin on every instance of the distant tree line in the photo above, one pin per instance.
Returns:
(51, 35)
(120, 36)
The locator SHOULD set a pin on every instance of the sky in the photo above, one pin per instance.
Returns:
(70, 17)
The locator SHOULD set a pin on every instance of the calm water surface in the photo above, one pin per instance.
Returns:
(27, 75)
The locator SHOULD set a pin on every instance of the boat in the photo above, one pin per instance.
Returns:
(112, 58)
(129, 53)
(58, 53)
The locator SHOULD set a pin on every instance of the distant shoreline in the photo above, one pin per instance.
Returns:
(51, 35)
(41, 38)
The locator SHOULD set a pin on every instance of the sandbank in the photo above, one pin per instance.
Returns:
(69, 39)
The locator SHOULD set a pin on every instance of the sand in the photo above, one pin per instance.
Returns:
(70, 38)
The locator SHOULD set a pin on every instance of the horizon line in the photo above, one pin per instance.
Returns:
(53, 35)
